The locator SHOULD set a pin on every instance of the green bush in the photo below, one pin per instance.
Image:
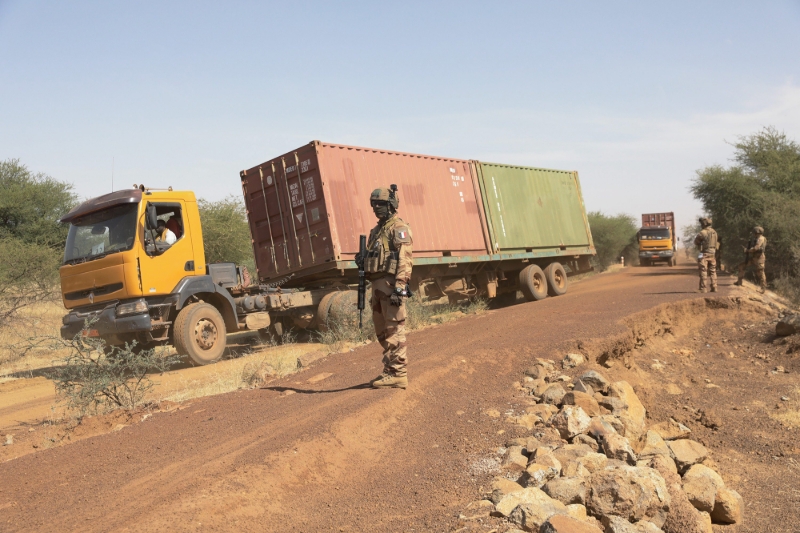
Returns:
(31, 204)
(226, 232)
(689, 232)
(614, 237)
(28, 275)
(762, 188)
(31, 238)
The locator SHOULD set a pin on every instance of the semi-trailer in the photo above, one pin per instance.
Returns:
(480, 229)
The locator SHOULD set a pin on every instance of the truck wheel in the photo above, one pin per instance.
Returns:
(556, 276)
(323, 310)
(533, 283)
(200, 333)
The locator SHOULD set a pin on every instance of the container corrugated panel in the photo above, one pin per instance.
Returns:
(530, 209)
(658, 219)
(307, 208)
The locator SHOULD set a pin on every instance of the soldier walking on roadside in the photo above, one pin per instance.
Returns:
(754, 256)
(706, 242)
(388, 265)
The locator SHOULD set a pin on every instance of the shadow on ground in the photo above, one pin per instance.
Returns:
(313, 391)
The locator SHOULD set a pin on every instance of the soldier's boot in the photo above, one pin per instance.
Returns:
(713, 289)
(390, 381)
(762, 289)
(738, 282)
(381, 376)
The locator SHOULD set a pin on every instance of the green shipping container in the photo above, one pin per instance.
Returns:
(533, 209)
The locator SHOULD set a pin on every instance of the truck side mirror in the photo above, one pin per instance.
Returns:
(151, 217)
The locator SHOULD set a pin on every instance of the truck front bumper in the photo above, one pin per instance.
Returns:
(103, 322)
(657, 254)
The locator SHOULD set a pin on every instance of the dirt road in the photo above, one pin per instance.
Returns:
(319, 452)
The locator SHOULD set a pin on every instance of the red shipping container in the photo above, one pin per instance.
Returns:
(307, 207)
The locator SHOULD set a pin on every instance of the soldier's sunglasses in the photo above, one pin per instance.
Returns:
(378, 203)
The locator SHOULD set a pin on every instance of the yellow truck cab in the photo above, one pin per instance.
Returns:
(657, 239)
(134, 270)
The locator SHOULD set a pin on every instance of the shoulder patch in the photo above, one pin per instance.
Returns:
(402, 234)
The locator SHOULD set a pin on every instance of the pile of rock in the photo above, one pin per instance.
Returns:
(592, 465)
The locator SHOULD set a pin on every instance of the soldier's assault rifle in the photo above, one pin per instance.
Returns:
(362, 276)
(750, 244)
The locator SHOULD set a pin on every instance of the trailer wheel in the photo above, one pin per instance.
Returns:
(556, 276)
(533, 283)
(323, 310)
(200, 333)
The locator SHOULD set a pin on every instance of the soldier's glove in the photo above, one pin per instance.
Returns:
(396, 298)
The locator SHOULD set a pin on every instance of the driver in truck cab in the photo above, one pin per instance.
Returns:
(164, 234)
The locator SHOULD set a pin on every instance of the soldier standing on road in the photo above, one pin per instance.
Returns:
(706, 242)
(388, 265)
(755, 257)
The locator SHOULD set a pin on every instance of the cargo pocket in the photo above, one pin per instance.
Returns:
(394, 313)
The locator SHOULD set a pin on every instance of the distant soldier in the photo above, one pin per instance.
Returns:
(388, 265)
(706, 242)
(754, 256)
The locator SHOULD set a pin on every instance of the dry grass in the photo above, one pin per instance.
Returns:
(245, 372)
(19, 350)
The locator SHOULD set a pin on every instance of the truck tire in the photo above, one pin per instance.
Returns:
(323, 310)
(533, 283)
(200, 333)
(556, 276)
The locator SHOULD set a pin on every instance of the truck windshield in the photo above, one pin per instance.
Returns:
(652, 234)
(102, 233)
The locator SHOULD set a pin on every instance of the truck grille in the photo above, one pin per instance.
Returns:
(98, 291)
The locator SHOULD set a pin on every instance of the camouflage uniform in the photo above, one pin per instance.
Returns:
(706, 242)
(757, 259)
(390, 244)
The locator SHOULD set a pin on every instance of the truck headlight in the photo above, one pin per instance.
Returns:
(132, 308)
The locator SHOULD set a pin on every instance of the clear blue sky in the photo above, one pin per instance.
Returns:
(636, 96)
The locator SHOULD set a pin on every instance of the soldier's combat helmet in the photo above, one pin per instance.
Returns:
(758, 230)
(705, 221)
(384, 201)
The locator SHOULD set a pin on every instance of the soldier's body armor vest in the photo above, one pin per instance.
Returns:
(382, 256)
(709, 245)
(762, 241)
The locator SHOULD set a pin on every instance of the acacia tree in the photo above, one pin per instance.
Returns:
(31, 205)
(226, 232)
(761, 188)
(31, 238)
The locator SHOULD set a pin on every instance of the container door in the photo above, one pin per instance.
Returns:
(287, 215)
